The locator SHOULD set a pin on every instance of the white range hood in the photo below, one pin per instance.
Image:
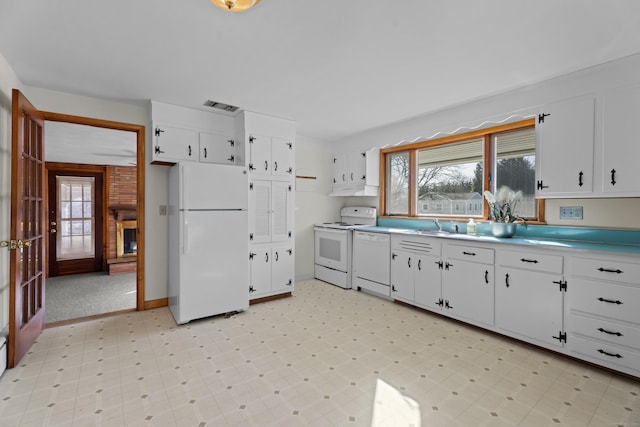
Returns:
(356, 190)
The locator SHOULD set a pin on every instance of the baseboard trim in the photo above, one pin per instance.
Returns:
(156, 303)
(269, 298)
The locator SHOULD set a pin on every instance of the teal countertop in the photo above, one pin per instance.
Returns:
(550, 237)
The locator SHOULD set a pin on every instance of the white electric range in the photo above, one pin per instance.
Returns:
(334, 244)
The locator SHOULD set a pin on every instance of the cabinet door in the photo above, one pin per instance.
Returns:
(621, 141)
(402, 274)
(428, 278)
(565, 141)
(529, 304)
(260, 260)
(356, 167)
(172, 144)
(282, 211)
(340, 170)
(216, 148)
(260, 211)
(281, 157)
(282, 268)
(468, 288)
(260, 154)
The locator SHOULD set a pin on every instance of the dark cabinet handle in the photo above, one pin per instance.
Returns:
(604, 331)
(393, 256)
(266, 255)
(533, 261)
(351, 176)
(344, 178)
(277, 257)
(205, 152)
(580, 174)
(419, 264)
(608, 270)
(189, 150)
(601, 351)
(275, 166)
(610, 301)
(486, 276)
(409, 262)
(506, 280)
(469, 253)
(266, 165)
(613, 177)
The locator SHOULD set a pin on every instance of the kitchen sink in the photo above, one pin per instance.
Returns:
(434, 232)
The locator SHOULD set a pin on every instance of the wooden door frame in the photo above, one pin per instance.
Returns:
(140, 163)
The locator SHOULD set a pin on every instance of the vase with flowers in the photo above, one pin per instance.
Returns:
(502, 211)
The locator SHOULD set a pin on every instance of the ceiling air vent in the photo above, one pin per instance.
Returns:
(221, 106)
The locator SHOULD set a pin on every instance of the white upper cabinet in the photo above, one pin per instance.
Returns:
(621, 142)
(270, 155)
(356, 173)
(217, 148)
(565, 147)
(173, 144)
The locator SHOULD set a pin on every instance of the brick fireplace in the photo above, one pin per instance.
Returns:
(122, 227)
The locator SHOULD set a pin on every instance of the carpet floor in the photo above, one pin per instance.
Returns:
(81, 295)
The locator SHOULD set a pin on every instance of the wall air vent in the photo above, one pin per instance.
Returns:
(221, 106)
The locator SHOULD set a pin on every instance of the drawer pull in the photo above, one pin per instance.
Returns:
(618, 334)
(608, 270)
(601, 351)
(469, 253)
(610, 301)
(534, 261)
(486, 276)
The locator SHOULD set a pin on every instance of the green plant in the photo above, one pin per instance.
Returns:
(502, 205)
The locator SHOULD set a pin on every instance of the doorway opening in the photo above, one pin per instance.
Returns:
(99, 223)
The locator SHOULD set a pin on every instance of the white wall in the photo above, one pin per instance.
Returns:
(313, 204)
(8, 81)
(511, 106)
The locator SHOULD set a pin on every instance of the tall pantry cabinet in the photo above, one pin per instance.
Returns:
(269, 151)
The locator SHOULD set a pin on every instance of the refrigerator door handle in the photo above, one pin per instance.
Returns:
(185, 233)
(185, 185)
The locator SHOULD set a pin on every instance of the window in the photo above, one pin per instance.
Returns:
(75, 218)
(447, 176)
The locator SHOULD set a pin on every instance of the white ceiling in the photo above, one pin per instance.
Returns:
(335, 67)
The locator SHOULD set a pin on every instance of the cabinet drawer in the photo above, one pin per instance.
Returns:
(609, 270)
(418, 245)
(470, 253)
(605, 352)
(618, 302)
(531, 261)
(604, 330)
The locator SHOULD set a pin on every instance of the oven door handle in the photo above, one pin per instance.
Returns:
(330, 231)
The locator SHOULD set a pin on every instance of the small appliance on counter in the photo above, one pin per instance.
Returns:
(334, 244)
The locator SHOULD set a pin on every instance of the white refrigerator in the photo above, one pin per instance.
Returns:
(208, 240)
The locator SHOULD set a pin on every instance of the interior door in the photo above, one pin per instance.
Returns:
(75, 211)
(26, 276)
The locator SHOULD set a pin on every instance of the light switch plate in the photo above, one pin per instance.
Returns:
(571, 212)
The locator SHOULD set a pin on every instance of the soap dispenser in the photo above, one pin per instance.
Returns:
(471, 227)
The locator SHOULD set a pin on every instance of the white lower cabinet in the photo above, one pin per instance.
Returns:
(456, 280)
(467, 283)
(415, 271)
(272, 270)
(529, 296)
(603, 306)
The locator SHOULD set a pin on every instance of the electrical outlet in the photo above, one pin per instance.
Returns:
(571, 212)
(163, 210)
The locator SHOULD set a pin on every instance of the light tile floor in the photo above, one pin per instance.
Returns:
(325, 357)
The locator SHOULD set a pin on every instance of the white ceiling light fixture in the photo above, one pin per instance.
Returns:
(235, 5)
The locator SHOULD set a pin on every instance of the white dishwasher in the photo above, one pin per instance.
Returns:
(372, 262)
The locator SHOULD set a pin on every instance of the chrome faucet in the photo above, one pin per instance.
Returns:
(438, 225)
